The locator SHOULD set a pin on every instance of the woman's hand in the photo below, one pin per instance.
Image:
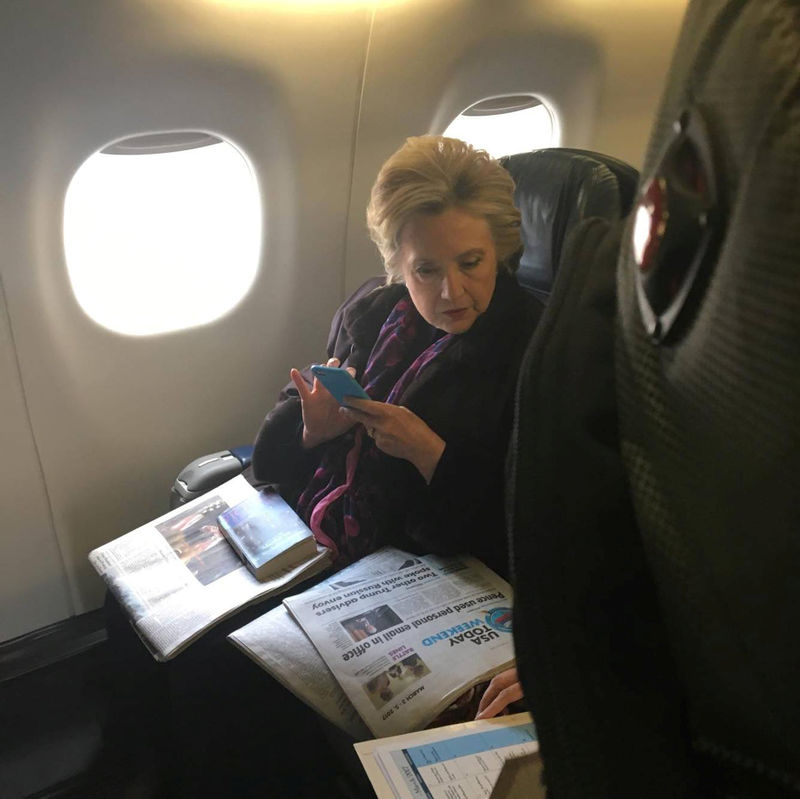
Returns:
(399, 432)
(321, 418)
(501, 692)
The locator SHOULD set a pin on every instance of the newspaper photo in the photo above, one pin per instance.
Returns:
(177, 576)
(403, 645)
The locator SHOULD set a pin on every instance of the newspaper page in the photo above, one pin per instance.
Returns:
(177, 576)
(278, 644)
(468, 760)
(404, 645)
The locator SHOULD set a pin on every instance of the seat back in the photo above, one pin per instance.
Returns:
(655, 504)
(556, 189)
(709, 383)
(590, 645)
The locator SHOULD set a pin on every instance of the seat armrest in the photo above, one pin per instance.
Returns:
(207, 472)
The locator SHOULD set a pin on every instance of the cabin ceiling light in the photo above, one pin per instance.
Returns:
(308, 5)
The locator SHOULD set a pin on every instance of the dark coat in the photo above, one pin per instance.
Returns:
(465, 395)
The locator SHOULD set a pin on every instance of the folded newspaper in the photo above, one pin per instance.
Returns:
(177, 575)
(384, 646)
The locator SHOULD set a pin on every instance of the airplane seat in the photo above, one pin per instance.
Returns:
(654, 500)
(556, 188)
(626, 175)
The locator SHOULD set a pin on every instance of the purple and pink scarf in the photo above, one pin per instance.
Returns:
(338, 503)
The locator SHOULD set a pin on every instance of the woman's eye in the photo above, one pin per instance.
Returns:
(424, 270)
(470, 263)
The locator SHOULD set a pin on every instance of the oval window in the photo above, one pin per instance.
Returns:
(506, 125)
(162, 232)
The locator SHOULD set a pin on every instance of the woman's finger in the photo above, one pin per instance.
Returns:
(498, 683)
(335, 362)
(368, 412)
(302, 387)
(371, 408)
(356, 416)
(506, 697)
(489, 695)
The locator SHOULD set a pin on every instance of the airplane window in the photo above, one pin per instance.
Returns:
(162, 232)
(506, 125)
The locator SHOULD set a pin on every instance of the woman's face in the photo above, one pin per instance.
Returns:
(449, 266)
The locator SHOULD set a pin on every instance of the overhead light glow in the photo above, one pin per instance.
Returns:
(306, 6)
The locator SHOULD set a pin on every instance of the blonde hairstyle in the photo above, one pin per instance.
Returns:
(430, 174)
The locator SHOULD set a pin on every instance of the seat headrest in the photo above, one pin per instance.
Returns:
(556, 189)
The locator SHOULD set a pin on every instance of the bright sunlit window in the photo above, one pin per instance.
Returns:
(506, 125)
(162, 232)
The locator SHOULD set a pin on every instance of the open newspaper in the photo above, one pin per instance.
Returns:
(392, 640)
(278, 644)
(177, 576)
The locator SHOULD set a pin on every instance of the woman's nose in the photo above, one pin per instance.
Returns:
(451, 285)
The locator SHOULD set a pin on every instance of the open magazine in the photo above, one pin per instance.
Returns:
(177, 575)
(389, 642)
(495, 758)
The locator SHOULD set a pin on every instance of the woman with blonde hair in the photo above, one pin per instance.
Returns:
(420, 464)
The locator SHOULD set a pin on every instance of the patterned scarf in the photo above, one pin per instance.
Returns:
(338, 503)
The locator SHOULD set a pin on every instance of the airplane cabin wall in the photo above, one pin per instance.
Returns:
(95, 425)
(100, 423)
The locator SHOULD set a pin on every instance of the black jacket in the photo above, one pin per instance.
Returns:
(465, 396)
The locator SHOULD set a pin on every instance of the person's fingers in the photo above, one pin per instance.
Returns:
(508, 695)
(356, 416)
(302, 387)
(335, 362)
(498, 683)
(489, 695)
(370, 413)
(371, 408)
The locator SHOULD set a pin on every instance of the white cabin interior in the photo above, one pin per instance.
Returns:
(150, 309)
(314, 95)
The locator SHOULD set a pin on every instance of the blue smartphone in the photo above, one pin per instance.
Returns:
(339, 382)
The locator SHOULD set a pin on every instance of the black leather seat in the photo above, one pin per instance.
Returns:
(557, 189)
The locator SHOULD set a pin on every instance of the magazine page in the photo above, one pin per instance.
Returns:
(176, 576)
(404, 645)
(278, 644)
(468, 760)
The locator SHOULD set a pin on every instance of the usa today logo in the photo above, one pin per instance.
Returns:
(499, 619)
